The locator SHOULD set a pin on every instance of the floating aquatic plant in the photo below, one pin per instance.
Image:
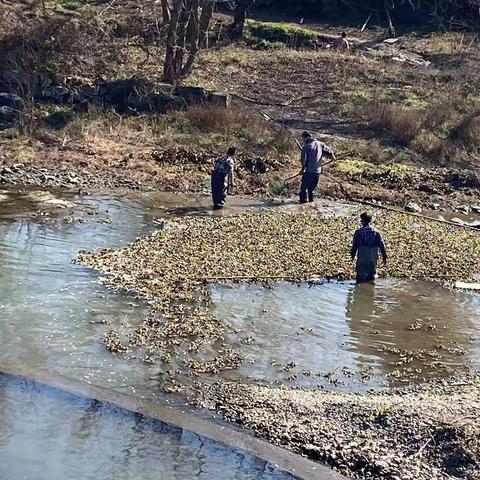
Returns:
(173, 266)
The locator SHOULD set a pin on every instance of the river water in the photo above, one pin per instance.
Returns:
(354, 337)
(49, 435)
(53, 316)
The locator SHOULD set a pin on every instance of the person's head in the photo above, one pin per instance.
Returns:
(306, 136)
(231, 151)
(344, 34)
(366, 218)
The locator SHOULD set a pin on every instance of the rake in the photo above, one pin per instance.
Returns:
(279, 187)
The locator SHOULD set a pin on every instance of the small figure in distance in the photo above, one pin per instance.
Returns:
(223, 178)
(341, 44)
(367, 241)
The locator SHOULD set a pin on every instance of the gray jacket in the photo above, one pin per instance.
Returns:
(312, 154)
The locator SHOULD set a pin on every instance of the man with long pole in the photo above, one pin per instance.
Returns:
(312, 155)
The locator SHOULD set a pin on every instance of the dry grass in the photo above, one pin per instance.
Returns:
(401, 123)
(444, 131)
(468, 132)
(412, 111)
(215, 119)
(124, 42)
(204, 127)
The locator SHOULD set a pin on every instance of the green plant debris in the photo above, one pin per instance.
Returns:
(173, 267)
(391, 172)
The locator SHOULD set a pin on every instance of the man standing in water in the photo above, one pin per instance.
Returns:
(223, 178)
(367, 241)
(311, 158)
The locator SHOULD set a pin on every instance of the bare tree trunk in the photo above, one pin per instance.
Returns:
(193, 39)
(187, 31)
(207, 13)
(391, 28)
(198, 31)
(182, 27)
(165, 12)
(169, 67)
(239, 16)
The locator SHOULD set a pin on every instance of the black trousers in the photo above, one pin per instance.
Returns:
(219, 191)
(308, 186)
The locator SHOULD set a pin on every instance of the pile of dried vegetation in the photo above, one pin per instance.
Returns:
(381, 436)
(388, 436)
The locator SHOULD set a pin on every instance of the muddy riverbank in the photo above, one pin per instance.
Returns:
(430, 432)
(181, 170)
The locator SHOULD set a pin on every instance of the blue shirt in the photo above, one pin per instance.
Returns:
(368, 236)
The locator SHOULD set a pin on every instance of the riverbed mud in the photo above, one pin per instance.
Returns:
(183, 170)
(376, 435)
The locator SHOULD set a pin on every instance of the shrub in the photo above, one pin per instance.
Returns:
(467, 132)
(443, 131)
(283, 143)
(291, 35)
(387, 175)
(402, 124)
(58, 118)
(372, 151)
(216, 119)
(427, 143)
(52, 48)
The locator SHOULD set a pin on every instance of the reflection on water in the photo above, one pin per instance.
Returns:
(53, 315)
(93, 441)
(355, 336)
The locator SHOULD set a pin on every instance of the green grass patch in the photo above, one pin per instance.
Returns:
(388, 173)
(288, 34)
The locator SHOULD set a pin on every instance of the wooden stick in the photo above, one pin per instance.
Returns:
(306, 277)
(413, 214)
(109, 6)
(366, 23)
(291, 178)
(422, 448)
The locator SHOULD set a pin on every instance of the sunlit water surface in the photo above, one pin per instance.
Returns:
(53, 316)
(353, 337)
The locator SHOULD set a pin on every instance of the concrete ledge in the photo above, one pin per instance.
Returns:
(282, 459)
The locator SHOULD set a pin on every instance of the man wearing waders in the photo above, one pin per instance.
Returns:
(367, 241)
(222, 179)
(311, 158)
